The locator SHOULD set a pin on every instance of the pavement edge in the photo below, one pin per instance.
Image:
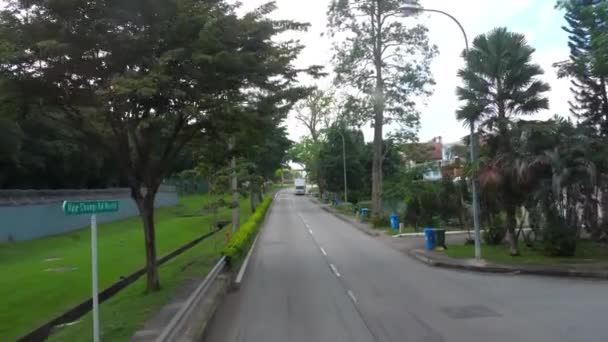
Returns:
(238, 280)
(507, 269)
(348, 220)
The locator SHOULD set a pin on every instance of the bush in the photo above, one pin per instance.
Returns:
(559, 240)
(365, 204)
(380, 221)
(239, 244)
(348, 208)
(496, 230)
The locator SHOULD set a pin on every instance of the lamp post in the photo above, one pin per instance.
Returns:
(472, 134)
(344, 165)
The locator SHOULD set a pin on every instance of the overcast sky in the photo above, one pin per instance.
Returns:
(537, 19)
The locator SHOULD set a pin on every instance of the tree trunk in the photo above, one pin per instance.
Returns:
(235, 190)
(511, 226)
(145, 205)
(252, 203)
(320, 184)
(604, 207)
(378, 117)
(377, 169)
(255, 198)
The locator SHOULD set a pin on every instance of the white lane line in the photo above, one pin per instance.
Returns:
(352, 296)
(333, 268)
(323, 251)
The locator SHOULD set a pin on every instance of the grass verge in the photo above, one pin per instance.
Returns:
(126, 312)
(586, 252)
(40, 279)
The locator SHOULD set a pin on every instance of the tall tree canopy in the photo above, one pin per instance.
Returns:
(316, 113)
(588, 68)
(500, 83)
(384, 64)
(142, 78)
(588, 64)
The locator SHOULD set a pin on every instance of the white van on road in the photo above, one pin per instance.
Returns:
(300, 184)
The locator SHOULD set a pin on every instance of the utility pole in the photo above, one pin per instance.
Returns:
(344, 166)
(474, 193)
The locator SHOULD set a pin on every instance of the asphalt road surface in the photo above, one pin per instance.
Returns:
(313, 278)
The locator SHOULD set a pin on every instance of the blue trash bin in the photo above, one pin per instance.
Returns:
(395, 221)
(364, 212)
(429, 237)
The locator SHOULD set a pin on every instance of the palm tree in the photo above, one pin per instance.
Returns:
(500, 83)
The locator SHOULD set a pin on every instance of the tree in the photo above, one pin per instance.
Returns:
(306, 152)
(588, 64)
(331, 163)
(501, 82)
(32, 144)
(142, 78)
(588, 69)
(552, 164)
(384, 64)
(315, 113)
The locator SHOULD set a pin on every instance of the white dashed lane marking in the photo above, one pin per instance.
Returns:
(333, 268)
(352, 296)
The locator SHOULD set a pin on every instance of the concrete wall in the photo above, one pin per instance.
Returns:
(31, 214)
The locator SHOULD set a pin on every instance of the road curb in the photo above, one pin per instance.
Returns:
(448, 232)
(507, 269)
(239, 276)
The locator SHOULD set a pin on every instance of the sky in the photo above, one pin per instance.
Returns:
(537, 19)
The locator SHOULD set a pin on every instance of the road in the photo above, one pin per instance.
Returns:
(312, 277)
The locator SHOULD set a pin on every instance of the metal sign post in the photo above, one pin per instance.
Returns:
(94, 277)
(85, 208)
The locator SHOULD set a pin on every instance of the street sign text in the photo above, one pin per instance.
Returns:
(89, 207)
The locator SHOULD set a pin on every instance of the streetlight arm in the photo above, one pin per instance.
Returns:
(475, 201)
(422, 9)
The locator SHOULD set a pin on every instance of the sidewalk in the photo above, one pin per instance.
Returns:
(437, 259)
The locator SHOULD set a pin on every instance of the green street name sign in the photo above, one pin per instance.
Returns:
(89, 207)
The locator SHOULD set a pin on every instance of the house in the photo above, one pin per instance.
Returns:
(442, 160)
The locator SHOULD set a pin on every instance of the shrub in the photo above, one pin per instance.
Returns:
(380, 221)
(559, 240)
(496, 230)
(365, 204)
(346, 207)
(240, 242)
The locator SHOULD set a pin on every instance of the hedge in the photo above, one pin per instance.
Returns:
(241, 240)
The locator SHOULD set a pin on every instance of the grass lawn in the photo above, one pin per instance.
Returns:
(586, 252)
(42, 278)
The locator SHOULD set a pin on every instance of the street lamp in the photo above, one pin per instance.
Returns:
(472, 134)
(344, 164)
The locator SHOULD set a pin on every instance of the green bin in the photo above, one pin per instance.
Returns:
(440, 238)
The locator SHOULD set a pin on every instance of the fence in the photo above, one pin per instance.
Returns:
(31, 214)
